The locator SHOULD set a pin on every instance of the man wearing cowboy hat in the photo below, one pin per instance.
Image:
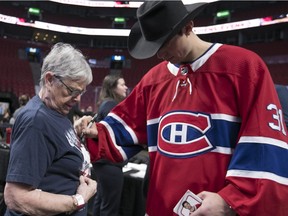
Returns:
(209, 108)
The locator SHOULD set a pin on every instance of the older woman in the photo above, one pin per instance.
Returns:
(49, 167)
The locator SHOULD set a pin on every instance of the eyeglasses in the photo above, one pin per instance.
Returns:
(72, 92)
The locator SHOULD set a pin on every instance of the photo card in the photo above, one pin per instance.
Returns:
(187, 204)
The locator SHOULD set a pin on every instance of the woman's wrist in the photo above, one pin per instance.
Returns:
(78, 202)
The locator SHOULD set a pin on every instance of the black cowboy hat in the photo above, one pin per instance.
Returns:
(159, 21)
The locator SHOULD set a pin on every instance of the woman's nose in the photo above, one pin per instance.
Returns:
(77, 98)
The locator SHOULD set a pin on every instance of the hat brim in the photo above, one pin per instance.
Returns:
(140, 48)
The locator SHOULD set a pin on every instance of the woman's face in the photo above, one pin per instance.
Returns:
(60, 97)
(121, 88)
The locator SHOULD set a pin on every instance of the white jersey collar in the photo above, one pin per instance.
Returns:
(198, 62)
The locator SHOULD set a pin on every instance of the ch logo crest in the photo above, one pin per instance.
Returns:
(183, 134)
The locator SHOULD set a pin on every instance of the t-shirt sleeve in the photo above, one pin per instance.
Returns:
(28, 160)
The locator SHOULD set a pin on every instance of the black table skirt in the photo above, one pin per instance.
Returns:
(133, 201)
(4, 160)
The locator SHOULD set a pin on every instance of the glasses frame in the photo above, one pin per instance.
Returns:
(72, 92)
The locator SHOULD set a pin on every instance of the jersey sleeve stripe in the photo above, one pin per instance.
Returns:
(257, 157)
(124, 127)
(263, 140)
(258, 175)
(113, 139)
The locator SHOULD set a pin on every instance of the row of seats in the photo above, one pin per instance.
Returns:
(16, 73)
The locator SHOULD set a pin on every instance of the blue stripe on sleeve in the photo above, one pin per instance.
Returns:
(123, 137)
(260, 157)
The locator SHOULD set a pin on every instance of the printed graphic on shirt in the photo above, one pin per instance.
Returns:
(74, 141)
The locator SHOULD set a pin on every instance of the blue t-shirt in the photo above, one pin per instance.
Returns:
(44, 152)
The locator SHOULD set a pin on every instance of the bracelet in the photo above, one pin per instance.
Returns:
(78, 201)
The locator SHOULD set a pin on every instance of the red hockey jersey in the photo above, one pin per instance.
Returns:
(215, 124)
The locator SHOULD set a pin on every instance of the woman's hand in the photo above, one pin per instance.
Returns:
(87, 187)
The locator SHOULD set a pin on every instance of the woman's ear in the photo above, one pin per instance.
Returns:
(49, 77)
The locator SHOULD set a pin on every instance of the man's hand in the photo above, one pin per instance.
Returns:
(213, 204)
(81, 124)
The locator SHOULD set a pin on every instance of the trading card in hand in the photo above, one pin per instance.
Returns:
(187, 204)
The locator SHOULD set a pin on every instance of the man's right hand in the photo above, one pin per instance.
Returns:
(81, 124)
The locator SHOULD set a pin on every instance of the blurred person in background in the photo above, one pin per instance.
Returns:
(5, 122)
(109, 176)
(49, 168)
(23, 99)
(6, 116)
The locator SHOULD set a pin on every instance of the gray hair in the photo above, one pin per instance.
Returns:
(67, 62)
